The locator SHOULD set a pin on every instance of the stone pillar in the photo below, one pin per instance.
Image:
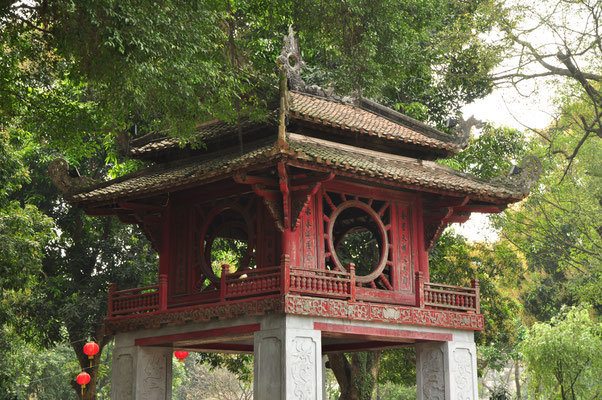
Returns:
(447, 370)
(141, 373)
(288, 360)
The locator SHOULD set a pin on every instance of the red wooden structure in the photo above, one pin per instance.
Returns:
(329, 211)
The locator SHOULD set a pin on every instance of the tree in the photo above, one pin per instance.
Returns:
(564, 356)
(559, 41)
(558, 228)
(74, 75)
(64, 296)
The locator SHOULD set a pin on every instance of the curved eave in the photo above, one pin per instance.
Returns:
(347, 162)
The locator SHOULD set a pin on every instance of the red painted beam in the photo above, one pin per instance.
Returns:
(372, 333)
(209, 333)
(222, 348)
(481, 208)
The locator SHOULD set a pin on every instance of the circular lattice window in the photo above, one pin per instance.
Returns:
(227, 239)
(356, 233)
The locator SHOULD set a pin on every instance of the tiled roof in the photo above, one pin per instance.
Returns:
(164, 177)
(329, 112)
(388, 167)
(357, 119)
(205, 131)
(344, 159)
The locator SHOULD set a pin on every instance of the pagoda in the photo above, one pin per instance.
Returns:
(330, 210)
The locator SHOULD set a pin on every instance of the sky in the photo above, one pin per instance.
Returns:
(505, 107)
(528, 106)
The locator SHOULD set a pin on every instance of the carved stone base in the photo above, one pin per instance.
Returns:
(141, 373)
(447, 370)
(288, 360)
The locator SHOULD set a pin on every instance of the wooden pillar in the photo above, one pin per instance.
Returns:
(162, 291)
(165, 242)
(422, 253)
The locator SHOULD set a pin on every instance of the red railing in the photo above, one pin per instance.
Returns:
(284, 279)
(248, 283)
(448, 297)
(323, 283)
(138, 300)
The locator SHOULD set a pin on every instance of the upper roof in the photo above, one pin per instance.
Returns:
(359, 117)
(345, 160)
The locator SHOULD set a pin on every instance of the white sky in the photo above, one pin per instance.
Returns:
(528, 106)
(505, 107)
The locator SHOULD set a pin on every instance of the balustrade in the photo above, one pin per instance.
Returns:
(449, 297)
(284, 279)
(320, 282)
(248, 283)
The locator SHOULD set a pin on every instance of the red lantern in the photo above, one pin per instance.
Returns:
(83, 379)
(91, 349)
(180, 355)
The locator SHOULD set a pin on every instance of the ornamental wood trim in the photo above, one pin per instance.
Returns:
(451, 297)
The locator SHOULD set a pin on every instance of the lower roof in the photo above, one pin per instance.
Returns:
(344, 160)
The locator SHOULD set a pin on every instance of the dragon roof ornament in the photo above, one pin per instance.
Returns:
(291, 61)
(524, 177)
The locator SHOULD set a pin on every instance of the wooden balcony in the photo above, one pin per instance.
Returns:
(287, 280)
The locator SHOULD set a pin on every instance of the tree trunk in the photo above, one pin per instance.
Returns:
(89, 392)
(517, 378)
(357, 378)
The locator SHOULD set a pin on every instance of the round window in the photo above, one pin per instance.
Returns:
(356, 234)
(226, 240)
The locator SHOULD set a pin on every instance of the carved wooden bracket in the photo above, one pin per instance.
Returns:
(58, 170)
(438, 215)
(288, 197)
(273, 201)
(304, 189)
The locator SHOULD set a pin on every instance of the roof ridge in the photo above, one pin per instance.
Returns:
(395, 116)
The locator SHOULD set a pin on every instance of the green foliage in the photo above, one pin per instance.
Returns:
(240, 365)
(558, 230)
(360, 247)
(500, 393)
(30, 372)
(564, 356)
(492, 153)
(227, 251)
(398, 367)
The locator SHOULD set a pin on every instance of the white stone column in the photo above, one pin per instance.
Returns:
(447, 370)
(288, 360)
(141, 373)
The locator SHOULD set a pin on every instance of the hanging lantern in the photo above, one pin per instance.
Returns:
(91, 349)
(83, 379)
(180, 355)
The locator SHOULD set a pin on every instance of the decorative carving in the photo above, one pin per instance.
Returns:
(67, 183)
(374, 216)
(303, 361)
(464, 374)
(525, 176)
(433, 377)
(291, 62)
(381, 313)
(308, 238)
(154, 378)
(201, 313)
(404, 245)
